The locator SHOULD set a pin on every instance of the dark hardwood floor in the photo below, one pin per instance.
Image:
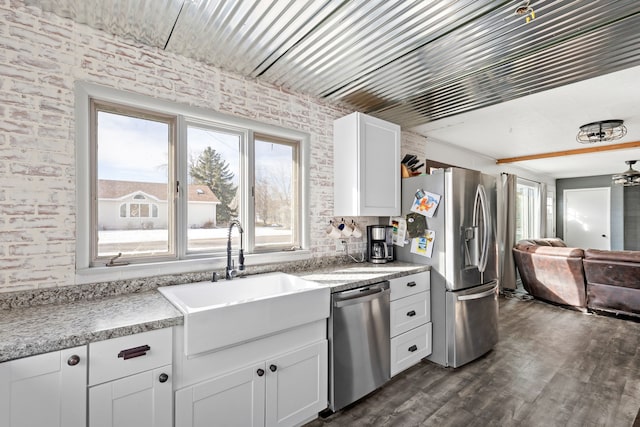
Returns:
(552, 367)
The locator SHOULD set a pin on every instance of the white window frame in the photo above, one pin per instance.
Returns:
(84, 92)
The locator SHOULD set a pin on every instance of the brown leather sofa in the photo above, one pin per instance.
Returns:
(613, 281)
(551, 271)
(585, 279)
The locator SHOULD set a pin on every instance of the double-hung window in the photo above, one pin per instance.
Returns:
(160, 182)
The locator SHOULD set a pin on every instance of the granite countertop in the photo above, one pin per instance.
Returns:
(40, 329)
(27, 331)
(354, 276)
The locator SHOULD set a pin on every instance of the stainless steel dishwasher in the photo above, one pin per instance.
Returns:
(359, 359)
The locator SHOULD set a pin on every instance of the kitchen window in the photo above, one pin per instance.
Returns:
(164, 181)
(130, 158)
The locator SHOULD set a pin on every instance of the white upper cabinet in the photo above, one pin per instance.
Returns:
(366, 162)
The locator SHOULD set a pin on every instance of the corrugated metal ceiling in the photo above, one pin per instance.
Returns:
(410, 62)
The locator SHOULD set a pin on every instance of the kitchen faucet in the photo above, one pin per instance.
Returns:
(230, 271)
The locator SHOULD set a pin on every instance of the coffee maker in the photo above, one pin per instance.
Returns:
(379, 244)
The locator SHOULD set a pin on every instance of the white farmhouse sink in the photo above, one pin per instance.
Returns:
(221, 314)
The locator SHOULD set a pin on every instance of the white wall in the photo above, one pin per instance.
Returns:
(41, 58)
(200, 213)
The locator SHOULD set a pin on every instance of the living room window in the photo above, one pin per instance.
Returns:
(166, 180)
(527, 209)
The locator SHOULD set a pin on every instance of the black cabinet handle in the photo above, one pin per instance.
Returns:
(411, 284)
(411, 313)
(163, 377)
(273, 368)
(413, 348)
(260, 372)
(130, 353)
(73, 360)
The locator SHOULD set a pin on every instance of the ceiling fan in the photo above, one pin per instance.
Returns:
(630, 177)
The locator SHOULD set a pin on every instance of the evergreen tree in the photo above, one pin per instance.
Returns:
(210, 169)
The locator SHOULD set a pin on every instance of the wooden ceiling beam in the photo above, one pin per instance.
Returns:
(599, 148)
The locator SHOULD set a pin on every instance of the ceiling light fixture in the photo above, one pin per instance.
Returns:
(629, 178)
(605, 130)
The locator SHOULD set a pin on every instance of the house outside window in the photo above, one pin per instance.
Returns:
(165, 184)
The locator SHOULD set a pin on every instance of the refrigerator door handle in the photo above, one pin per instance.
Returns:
(476, 296)
(481, 207)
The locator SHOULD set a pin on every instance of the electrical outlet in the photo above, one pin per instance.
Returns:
(341, 246)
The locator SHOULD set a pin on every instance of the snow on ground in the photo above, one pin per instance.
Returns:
(131, 236)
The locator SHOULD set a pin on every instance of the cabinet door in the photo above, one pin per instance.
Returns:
(44, 390)
(366, 163)
(138, 400)
(297, 386)
(380, 167)
(234, 399)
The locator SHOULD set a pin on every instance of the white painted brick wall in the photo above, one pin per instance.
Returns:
(41, 56)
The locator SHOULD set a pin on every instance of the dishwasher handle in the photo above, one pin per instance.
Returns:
(360, 295)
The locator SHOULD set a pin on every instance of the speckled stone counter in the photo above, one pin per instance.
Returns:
(81, 315)
(41, 329)
(356, 275)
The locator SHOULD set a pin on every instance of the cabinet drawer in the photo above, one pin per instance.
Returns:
(409, 312)
(123, 356)
(409, 285)
(409, 348)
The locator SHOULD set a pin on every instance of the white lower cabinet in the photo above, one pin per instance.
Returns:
(297, 385)
(234, 399)
(286, 389)
(138, 400)
(45, 390)
(130, 381)
(410, 318)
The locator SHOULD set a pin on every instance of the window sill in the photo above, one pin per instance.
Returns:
(139, 271)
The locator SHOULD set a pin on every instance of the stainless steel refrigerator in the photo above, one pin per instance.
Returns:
(464, 271)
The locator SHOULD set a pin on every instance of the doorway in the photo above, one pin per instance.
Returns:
(587, 221)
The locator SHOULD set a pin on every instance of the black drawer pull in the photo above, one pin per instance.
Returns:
(411, 284)
(73, 360)
(273, 368)
(163, 378)
(413, 348)
(134, 352)
(411, 313)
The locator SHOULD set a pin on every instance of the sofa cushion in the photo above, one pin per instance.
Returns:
(613, 281)
(623, 256)
(549, 247)
(552, 273)
(547, 241)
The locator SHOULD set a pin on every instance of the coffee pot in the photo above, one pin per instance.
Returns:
(379, 244)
